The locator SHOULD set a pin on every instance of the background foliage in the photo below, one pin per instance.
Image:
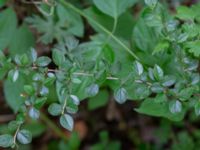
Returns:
(102, 66)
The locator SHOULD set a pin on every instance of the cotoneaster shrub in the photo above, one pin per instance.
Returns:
(152, 58)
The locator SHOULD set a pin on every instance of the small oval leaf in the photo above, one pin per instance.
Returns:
(24, 136)
(67, 122)
(120, 95)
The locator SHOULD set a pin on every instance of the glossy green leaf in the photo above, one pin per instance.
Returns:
(138, 68)
(175, 107)
(92, 90)
(24, 136)
(67, 122)
(55, 109)
(34, 113)
(120, 95)
(13, 75)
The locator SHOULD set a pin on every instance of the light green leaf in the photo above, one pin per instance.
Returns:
(58, 57)
(158, 72)
(29, 89)
(160, 47)
(185, 13)
(108, 53)
(193, 47)
(43, 61)
(160, 98)
(113, 8)
(6, 140)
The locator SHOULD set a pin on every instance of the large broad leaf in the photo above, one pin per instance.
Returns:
(124, 26)
(12, 93)
(150, 107)
(113, 8)
(8, 23)
(22, 41)
(67, 23)
(71, 20)
(144, 36)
